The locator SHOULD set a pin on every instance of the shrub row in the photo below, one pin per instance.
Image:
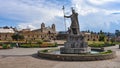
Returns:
(38, 45)
(5, 46)
(101, 45)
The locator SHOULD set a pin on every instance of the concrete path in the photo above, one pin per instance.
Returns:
(21, 51)
(24, 60)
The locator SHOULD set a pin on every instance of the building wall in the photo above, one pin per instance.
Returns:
(61, 36)
(6, 36)
(45, 33)
(88, 37)
(6, 33)
(91, 37)
(38, 36)
(117, 39)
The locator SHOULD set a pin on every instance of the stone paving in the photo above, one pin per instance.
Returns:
(26, 58)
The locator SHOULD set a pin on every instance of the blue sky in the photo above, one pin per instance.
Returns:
(94, 15)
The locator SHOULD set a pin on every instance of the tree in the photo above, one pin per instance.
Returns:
(88, 31)
(117, 33)
(92, 32)
(17, 37)
(112, 40)
(101, 37)
(101, 32)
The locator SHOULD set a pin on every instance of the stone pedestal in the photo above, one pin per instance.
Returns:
(75, 50)
(75, 45)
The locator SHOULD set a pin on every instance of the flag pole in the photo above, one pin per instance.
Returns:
(64, 17)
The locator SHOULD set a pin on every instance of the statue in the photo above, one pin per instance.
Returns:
(74, 22)
(75, 43)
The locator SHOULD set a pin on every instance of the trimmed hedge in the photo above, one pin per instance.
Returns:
(29, 45)
(38, 45)
(105, 44)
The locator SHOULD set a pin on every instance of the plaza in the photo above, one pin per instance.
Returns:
(59, 34)
(27, 58)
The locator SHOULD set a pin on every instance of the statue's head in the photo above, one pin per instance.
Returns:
(73, 11)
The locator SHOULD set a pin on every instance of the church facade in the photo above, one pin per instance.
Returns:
(44, 33)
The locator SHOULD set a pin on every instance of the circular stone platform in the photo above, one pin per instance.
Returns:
(76, 57)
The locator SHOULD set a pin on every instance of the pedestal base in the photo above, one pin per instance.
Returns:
(75, 50)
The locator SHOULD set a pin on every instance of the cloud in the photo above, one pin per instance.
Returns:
(32, 13)
(82, 8)
(94, 17)
(104, 4)
(100, 2)
(85, 7)
(93, 14)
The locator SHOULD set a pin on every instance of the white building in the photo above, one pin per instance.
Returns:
(6, 34)
(4, 30)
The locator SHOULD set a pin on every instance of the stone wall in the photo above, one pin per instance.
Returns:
(67, 57)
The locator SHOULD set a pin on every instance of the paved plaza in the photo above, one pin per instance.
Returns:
(27, 58)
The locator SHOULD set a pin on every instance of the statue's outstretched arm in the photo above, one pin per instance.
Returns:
(67, 16)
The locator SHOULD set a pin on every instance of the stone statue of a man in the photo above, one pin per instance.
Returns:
(74, 22)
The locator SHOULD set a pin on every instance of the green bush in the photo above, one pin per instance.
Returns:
(116, 43)
(40, 41)
(105, 44)
(13, 44)
(45, 50)
(55, 44)
(29, 46)
(107, 52)
(35, 45)
(25, 46)
(96, 45)
(45, 44)
(4, 46)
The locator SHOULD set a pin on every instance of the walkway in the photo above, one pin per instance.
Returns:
(24, 60)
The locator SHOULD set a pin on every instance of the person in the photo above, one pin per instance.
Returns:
(17, 45)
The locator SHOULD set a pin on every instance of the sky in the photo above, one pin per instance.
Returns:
(94, 15)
